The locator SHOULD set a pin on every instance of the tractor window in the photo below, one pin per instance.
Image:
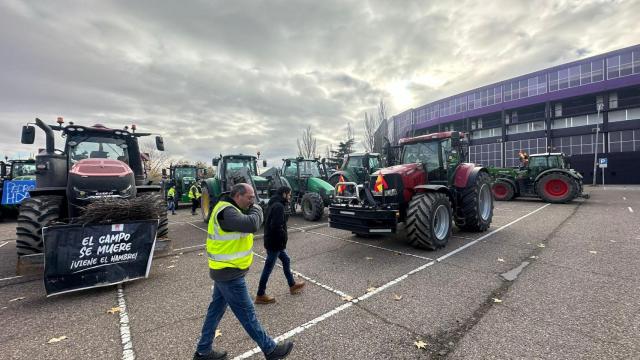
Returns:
(238, 164)
(185, 172)
(309, 168)
(537, 162)
(554, 162)
(373, 163)
(426, 153)
(91, 147)
(23, 169)
(354, 162)
(291, 170)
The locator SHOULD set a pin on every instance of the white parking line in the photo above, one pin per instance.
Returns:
(11, 278)
(326, 287)
(341, 308)
(125, 332)
(630, 209)
(3, 244)
(369, 245)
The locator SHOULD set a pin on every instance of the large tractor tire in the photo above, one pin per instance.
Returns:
(476, 204)
(35, 213)
(502, 191)
(429, 221)
(557, 188)
(163, 225)
(206, 204)
(312, 206)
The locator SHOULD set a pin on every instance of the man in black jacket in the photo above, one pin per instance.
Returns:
(275, 241)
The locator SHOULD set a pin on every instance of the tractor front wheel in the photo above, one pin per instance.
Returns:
(35, 213)
(312, 206)
(502, 191)
(429, 221)
(476, 204)
(557, 188)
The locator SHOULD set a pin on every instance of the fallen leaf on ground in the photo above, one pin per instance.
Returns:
(218, 334)
(347, 298)
(371, 289)
(180, 253)
(420, 344)
(113, 310)
(500, 259)
(615, 241)
(368, 258)
(200, 254)
(173, 261)
(56, 339)
(593, 251)
(172, 266)
(541, 245)
(496, 300)
(533, 257)
(397, 297)
(17, 299)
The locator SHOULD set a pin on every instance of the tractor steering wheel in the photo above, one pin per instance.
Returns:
(58, 151)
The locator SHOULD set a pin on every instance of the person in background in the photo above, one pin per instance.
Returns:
(194, 195)
(275, 241)
(171, 199)
(233, 221)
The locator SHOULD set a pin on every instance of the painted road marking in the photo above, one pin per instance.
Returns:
(11, 278)
(125, 332)
(630, 209)
(341, 308)
(369, 245)
(3, 244)
(326, 287)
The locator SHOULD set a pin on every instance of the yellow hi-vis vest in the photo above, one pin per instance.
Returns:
(171, 193)
(227, 249)
(194, 190)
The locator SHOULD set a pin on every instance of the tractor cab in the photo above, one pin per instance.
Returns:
(310, 189)
(298, 170)
(439, 154)
(538, 163)
(22, 170)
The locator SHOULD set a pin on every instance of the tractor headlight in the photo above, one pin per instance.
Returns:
(391, 192)
(126, 191)
(80, 194)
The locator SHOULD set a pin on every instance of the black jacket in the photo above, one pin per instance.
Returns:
(275, 225)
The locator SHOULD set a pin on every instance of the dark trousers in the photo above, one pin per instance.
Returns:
(272, 257)
(171, 205)
(194, 205)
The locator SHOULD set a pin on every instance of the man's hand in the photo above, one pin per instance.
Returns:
(256, 209)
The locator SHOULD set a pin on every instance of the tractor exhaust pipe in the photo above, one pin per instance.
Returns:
(50, 141)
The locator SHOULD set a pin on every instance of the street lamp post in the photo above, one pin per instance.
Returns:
(595, 153)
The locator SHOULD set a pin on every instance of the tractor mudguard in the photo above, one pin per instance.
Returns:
(435, 188)
(562, 171)
(466, 172)
(213, 185)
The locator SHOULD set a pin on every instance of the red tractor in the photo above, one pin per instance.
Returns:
(430, 189)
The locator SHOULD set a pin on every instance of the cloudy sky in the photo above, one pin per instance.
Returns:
(245, 76)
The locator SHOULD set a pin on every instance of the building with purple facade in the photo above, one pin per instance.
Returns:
(559, 109)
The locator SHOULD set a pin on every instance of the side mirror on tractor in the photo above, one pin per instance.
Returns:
(28, 134)
(264, 163)
(3, 169)
(164, 172)
(159, 143)
(287, 162)
(215, 161)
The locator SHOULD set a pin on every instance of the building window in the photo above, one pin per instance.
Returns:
(563, 79)
(590, 119)
(531, 146)
(636, 61)
(623, 141)
(486, 154)
(596, 70)
(525, 127)
(486, 133)
(542, 84)
(574, 76)
(613, 67)
(577, 145)
(626, 67)
(624, 115)
(553, 81)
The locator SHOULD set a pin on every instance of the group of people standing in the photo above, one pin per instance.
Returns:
(229, 245)
(195, 192)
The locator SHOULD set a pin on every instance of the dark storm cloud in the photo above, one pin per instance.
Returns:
(245, 76)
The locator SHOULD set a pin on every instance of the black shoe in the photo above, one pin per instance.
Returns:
(281, 351)
(213, 355)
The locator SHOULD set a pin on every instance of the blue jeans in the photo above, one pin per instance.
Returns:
(272, 256)
(236, 295)
(171, 206)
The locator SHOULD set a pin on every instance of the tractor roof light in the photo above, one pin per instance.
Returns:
(60, 120)
(133, 127)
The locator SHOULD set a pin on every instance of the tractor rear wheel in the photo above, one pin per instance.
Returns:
(206, 204)
(557, 188)
(429, 221)
(35, 213)
(163, 224)
(476, 204)
(502, 191)
(312, 206)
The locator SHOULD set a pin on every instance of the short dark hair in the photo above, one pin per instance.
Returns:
(238, 189)
(283, 190)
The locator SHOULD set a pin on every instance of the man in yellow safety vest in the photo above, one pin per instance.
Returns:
(171, 199)
(233, 221)
(194, 196)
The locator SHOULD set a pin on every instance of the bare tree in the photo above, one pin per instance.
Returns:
(372, 124)
(158, 160)
(307, 147)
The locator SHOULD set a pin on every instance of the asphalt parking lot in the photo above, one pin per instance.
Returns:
(546, 281)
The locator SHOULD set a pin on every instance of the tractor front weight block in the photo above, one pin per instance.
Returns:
(363, 221)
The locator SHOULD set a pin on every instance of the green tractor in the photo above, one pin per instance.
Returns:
(233, 169)
(18, 176)
(183, 176)
(357, 167)
(310, 190)
(547, 176)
